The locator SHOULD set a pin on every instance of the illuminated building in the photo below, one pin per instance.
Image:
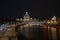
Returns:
(26, 17)
(52, 21)
(34, 30)
(28, 29)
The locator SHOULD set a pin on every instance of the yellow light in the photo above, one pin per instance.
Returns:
(51, 22)
(55, 22)
(26, 25)
(48, 22)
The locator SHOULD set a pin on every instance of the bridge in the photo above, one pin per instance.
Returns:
(9, 30)
(7, 25)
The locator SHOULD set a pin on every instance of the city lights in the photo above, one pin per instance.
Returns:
(31, 27)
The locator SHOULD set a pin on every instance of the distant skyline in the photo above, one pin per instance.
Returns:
(36, 8)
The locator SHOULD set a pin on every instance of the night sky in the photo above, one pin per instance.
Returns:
(36, 8)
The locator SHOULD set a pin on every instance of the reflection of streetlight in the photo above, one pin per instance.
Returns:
(53, 30)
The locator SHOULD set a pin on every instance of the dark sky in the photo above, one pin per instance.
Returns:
(36, 8)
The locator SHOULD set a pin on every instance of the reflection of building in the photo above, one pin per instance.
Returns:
(53, 29)
(29, 30)
(42, 32)
(34, 31)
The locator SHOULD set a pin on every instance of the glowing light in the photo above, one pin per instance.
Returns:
(26, 25)
(48, 22)
(26, 13)
(54, 18)
(51, 22)
(18, 19)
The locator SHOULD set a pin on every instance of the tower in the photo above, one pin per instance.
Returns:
(26, 17)
(53, 20)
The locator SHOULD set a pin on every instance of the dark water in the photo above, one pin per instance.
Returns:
(36, 35)
(39, 34)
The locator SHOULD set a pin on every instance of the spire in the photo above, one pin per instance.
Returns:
(54, 18)
(26, 16)
(26, 13)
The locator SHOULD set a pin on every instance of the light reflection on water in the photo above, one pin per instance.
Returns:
(36, 31)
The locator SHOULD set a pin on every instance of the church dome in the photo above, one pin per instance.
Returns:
(26, 15)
